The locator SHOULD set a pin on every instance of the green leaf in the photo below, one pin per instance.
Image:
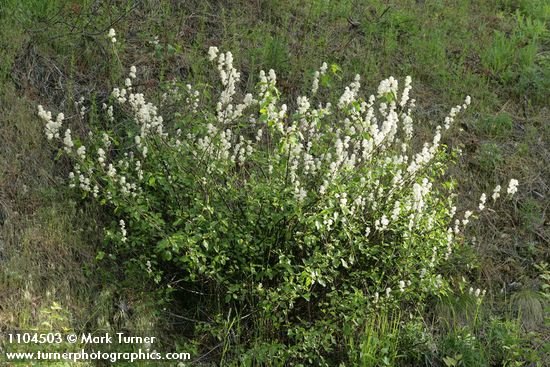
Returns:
(344, 263)
(167, 255)
(326, 81)
(335, 68)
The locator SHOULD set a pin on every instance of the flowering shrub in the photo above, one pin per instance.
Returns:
(302, 219)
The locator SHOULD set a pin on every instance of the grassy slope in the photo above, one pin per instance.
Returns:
(53, 52)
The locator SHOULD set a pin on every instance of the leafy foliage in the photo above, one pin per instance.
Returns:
(306, 220)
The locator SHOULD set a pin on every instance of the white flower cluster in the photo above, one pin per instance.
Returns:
(79, 105)
(120, 173)
(229, 77)
(192, 98)
(467, 215)
(455, 110)
(101, 156)
(154, 41)
(68, 141)
(406, 91)
(482, 201)
(350, 93)
(81, 152)
(319, 73)
(477, 293)
(388, 86)
(109, 112)
(111, 35)
(512, 187)
(123, 230)
(175, 95)
(52, 126)
(82, 178)
(496, 192)
(213, 53)
(133, 71)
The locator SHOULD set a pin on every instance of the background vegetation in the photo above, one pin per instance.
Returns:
(54, 52)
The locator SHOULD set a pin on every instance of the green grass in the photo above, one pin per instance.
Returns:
(53, 53)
